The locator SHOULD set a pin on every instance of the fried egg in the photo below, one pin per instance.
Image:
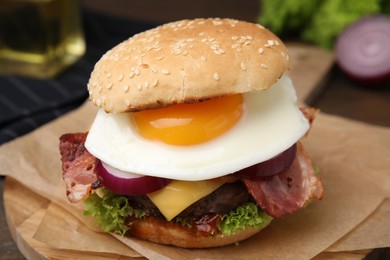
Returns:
(251, 128)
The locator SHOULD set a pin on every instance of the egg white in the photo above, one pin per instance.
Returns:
(271, 123)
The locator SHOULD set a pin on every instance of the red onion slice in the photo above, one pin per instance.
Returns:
(126, 183)
(271, 167)
(363, 49)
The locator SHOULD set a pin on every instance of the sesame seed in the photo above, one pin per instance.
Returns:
(260, 26)
(202, 58)
(264, 66)
(154, 70)
(232, 22)
(271, 42)
(120, 78)
(277, 43)
(261, 50)
(165, 71)
(97, 102)
(160, 58)
(127, 102)
(266, 45)
(139, 87)
(202, 34)
(216, 76)
(234, 38)
(219, 51)
(136, 71)
(126, 88)
(109, 85)
(155, 82)
(243, 66)
(131, 74)
(146, 84)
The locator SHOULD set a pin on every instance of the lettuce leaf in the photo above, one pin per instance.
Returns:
(316, 21)
(333, 17)
(246, 215)
(111, 211)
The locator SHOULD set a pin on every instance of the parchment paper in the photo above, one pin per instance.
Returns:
(353, 162)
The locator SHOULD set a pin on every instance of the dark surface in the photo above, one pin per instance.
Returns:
(344, 97)
(340, 96)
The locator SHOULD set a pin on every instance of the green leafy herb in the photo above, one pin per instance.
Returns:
(247, 215)
(316, 21)
(111, 211)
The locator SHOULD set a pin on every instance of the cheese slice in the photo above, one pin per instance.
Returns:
(178, 195)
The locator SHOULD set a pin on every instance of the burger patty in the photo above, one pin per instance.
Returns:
(224, 199)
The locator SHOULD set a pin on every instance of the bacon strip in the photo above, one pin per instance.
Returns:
(78, 166)
(309, 113)
(285, 193)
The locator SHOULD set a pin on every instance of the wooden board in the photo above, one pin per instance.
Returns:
(25, 209)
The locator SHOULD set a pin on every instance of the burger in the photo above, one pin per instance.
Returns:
(196, 142)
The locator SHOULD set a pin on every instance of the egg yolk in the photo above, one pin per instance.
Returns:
(188, 124)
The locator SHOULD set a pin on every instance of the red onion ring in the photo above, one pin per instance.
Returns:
(271, 167)
(125, 183)
(363, 49)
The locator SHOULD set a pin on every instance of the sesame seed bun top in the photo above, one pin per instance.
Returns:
(187, 61)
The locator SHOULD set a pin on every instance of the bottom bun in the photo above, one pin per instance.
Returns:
(168, 233)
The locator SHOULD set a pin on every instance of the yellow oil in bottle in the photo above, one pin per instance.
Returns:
(39, 38)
